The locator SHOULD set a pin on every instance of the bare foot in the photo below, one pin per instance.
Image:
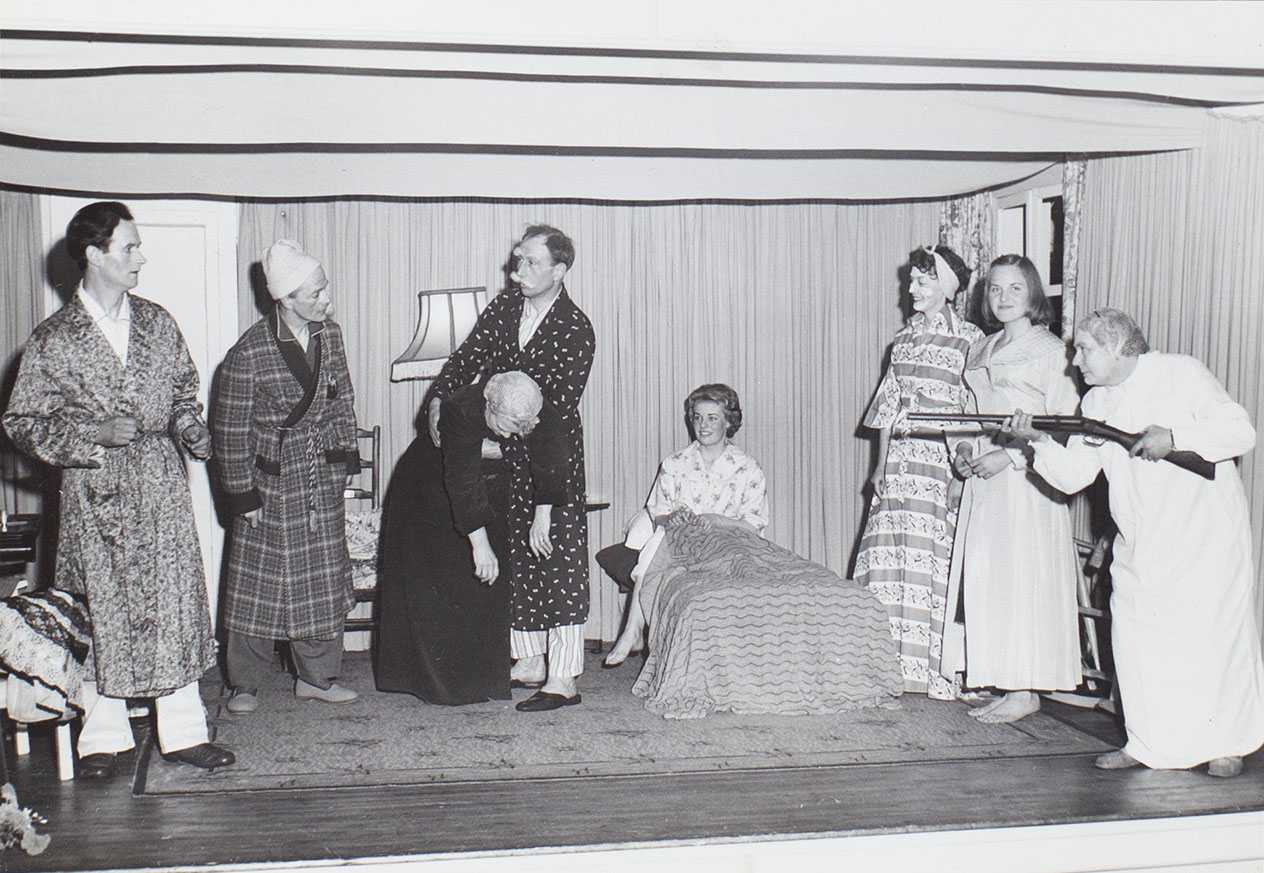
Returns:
(985, 708)
(1116, 760)
(1225, 768)
(976, 697)
(1011, 707)
(626, 645)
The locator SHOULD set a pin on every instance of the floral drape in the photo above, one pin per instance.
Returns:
(966, 225)
(1072, 208)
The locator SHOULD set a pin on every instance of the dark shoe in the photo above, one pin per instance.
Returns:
(208, 756)
(518, 683)
(98, 766)
(543, 701)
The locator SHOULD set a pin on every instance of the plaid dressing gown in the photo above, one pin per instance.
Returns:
(290, 577)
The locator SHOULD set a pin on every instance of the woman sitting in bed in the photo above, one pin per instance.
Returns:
(710, 475)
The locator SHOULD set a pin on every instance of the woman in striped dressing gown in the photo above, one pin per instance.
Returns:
(907, 542)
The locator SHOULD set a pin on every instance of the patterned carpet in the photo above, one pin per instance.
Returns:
(393, 739)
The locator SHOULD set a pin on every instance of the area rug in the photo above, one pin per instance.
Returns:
(394, 739)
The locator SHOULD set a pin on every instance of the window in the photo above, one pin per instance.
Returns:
(1029, 222)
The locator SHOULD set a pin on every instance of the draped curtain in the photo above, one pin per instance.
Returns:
(967, 226)
(1175, 240)
(1072, 209)
(21, 271)
(793, 305)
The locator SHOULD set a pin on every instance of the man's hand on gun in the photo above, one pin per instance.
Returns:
(1019, 425)
(1155, 444)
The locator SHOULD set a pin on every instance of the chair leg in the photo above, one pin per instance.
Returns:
(21, 739)
(65, 753)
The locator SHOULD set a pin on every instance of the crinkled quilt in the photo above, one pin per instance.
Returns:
(740, 624)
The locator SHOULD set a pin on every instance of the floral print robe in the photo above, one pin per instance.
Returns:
(127, 540)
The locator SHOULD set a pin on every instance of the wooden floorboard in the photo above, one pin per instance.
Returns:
(99, 827)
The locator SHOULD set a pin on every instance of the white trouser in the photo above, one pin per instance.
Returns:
(180, 715)
(564, 646)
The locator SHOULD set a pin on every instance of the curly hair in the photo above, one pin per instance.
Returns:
(721, 395)
(925, 261)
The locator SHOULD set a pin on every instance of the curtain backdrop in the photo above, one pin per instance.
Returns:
(22, 260)
(1177, 241)
(793, 305)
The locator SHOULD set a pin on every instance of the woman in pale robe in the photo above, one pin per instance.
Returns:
(1186, 646)
(1014, 561)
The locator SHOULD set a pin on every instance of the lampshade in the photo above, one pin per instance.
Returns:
(446, 318)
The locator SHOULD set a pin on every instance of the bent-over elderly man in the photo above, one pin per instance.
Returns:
(1187, 649)
(535, 327)
(285, 434)
(107, 392)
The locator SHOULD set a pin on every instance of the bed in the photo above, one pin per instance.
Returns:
(740, 624)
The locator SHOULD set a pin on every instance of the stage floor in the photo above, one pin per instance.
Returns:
(105, 827)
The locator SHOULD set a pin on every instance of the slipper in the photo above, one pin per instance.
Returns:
(518, 683)
(543, 701)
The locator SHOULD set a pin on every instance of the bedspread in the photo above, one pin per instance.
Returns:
(740, 624)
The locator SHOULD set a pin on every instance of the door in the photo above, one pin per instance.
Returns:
(191, 249)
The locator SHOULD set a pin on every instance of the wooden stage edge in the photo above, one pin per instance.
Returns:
(1039, 814)
(1232, 843)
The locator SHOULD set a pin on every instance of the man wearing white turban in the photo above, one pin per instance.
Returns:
(285, 440)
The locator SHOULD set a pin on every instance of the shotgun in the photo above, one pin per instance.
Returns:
(1072, 424)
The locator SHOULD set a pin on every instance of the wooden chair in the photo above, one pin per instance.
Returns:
(363, 526)
(368, 484)
(1099, 682)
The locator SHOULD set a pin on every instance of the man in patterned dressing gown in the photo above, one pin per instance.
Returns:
(285, 435)
(107, 392)
(538, 329)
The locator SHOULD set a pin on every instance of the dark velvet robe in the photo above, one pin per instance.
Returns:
(444, 634)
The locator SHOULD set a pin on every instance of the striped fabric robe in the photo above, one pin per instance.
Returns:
(907, 542)
(290, 577)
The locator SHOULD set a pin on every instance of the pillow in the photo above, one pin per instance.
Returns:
(639, 530)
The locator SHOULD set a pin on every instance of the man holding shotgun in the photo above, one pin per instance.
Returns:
(1186, 643)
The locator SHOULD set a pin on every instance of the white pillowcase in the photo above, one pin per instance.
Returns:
(640, 528)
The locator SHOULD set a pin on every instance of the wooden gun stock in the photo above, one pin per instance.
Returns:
(1191, 461)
